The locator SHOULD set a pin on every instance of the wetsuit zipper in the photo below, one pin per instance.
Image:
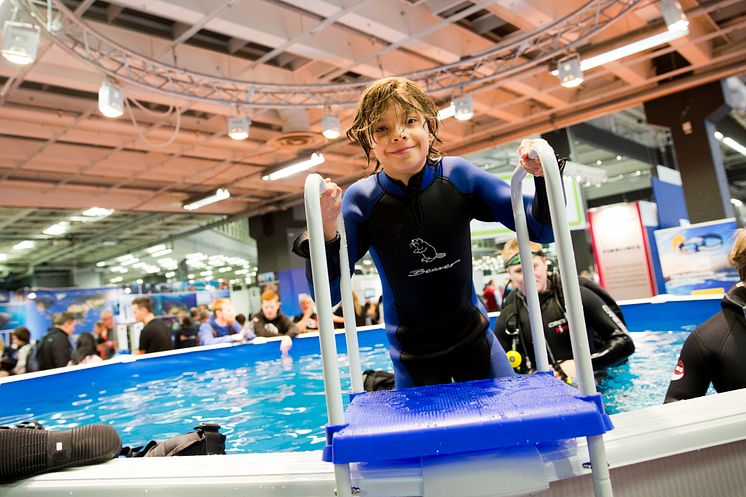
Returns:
(413, 197)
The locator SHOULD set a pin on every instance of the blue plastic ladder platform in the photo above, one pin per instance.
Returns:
(465, 417)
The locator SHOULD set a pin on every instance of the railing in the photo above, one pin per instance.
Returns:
(571, 290)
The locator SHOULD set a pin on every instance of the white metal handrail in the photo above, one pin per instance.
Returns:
(571, 290)
(314, 187)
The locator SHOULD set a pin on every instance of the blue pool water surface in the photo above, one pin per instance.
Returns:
(263, 402)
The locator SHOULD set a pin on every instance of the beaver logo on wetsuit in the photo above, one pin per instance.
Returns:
(428, 252)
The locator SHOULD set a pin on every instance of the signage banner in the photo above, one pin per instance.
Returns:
(694, 258)
(620, 250)
(85, 303)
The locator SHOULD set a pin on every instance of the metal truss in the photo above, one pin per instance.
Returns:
(541, 46)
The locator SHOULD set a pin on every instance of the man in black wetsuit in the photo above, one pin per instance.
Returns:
(607, 335)
(715, 352)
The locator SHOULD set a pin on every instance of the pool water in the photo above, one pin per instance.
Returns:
(277, 404)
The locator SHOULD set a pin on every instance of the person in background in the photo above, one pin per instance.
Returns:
(155, 335)
(85, 350)
(609, 341)
(271, 322)
(14, 357)
(222, 328)
(55, 350)
(247, 326)
(488, 296)
(414, 213)
(360, 318)
(307, 320)
(189, 330)
(105, 342)
(371, 312)
(715, 352)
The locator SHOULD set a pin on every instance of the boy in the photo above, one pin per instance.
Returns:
(413, 214)
(271, 322)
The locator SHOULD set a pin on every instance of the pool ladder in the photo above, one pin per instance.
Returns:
(315, 186)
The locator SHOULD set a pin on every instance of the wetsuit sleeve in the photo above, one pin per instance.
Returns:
(615, 343)
(492, 201)
(357, 244)
(691, 376)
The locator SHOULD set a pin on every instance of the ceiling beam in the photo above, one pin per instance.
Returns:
(182, 35)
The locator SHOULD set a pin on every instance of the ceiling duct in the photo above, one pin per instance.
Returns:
(296, 131)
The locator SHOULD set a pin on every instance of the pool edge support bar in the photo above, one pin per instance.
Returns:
(313, 189)
(571, 289)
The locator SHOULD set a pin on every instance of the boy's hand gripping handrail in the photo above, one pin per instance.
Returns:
(570, 288)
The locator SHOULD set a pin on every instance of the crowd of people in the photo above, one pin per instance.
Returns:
(65, 345)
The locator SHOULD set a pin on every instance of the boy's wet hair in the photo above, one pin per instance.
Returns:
(407, 97)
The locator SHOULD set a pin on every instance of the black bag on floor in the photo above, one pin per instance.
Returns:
(374, 381)
(206, 439)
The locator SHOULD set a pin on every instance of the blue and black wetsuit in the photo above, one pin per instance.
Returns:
(419, 238)
(714, 352)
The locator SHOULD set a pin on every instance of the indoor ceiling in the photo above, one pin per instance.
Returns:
(57, 152)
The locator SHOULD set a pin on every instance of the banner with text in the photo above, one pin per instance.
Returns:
(621, 252)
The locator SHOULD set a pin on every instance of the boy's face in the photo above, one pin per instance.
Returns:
(401, 142)
(270, 308)
(515, 273)
(227, 313)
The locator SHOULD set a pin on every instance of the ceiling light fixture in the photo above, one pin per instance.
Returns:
(161, 253)
(332, 127)
(674, 15)
(316, 159)
(220, 194)
(20, 42)
(57, 229)
(98, 212)
(238, 127)
(447, 112)
(24, 245)
(627, 50)
(463, 108)
(569, 72)
(110, 100)
(730, 142)
(155, 248)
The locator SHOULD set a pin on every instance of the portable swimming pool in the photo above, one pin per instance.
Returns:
(264, 403)
(679, 449)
